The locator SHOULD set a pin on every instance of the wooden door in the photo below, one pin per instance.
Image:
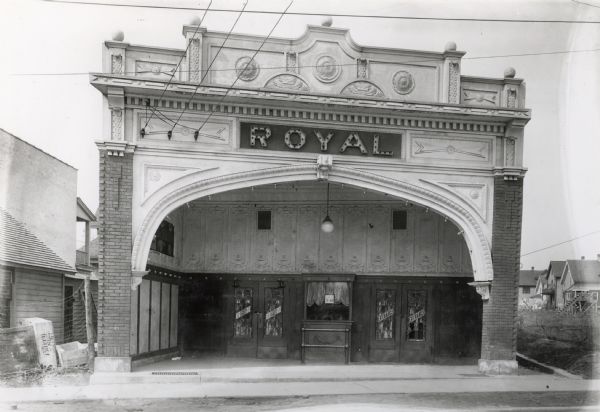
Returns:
(417, 324)
(385, 315)
(272, 319)
(245, 319)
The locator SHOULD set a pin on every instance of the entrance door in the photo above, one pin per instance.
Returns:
(400, 323)
(417, 324)
(271, 339)
(245, 323)
(258, 320)
(385, 322)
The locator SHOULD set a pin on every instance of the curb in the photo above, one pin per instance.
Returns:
(546, 368)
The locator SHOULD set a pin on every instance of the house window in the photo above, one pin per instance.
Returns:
(526, 290)
(164, 239)
(399, 220)
(264, 220)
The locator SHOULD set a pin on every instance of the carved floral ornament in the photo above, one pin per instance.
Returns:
(246, 68)
(327, 69)
(362, 88)
(288, 82)
(403, 82)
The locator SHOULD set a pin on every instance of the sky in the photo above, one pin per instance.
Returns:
(48, 47)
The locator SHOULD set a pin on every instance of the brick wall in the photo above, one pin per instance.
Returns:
(499, 335)
(114, 259)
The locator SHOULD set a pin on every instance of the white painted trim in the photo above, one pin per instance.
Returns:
(455, 209)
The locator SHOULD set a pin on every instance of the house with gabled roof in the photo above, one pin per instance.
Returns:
(580, 282)
(39, 209)
(528, 279)
(548, 287)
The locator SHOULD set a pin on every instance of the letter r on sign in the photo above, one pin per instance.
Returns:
(261, 133)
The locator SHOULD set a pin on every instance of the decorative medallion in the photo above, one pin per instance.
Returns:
(246, 69)
(362, 88)
(403, 82)
(289, 82)
(327, 69)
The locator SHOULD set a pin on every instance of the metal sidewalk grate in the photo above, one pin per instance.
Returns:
(176, 373)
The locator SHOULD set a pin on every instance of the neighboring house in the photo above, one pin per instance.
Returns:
(39, 209)
(528, 279)
(86, 263)
(580, 284)
(548, 285)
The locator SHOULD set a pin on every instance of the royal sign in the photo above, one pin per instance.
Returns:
(317, 140)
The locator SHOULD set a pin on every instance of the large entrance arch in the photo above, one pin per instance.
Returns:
(191, 187)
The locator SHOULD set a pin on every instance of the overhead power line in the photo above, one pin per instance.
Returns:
(341, 65)
(298, 13)
(209, 67)
(180, 60)
(560, 243)
(240, 73)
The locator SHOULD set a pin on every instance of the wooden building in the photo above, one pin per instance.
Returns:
(39, 208)
(307, 198)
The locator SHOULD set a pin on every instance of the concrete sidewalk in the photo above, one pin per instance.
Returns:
(287, 381)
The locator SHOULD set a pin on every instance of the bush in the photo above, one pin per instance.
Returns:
(582, 329)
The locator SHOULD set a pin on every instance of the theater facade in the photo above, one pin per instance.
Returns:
(310, 199)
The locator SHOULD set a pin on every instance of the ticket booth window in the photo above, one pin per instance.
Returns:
(329, 301)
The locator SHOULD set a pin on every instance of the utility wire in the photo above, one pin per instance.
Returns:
(180, 60)
(339, 65)
(371, 16)
(560, 243)
(242, 71)
(209, 66)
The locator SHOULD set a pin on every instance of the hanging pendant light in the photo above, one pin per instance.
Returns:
(327, 225)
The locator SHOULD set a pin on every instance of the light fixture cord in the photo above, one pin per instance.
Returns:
(327, 207)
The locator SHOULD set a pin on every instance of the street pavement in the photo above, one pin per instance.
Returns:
(311, 386)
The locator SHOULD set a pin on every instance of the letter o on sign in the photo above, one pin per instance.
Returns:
(297, 144)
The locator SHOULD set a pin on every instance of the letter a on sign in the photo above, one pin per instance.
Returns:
(353, 140)
(324, 140)
(261, 133)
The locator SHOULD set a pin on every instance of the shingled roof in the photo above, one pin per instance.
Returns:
(529, 277)
(18, 245)
(585, 271)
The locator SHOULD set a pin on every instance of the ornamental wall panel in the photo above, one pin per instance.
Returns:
(355, 239)
(378, 239)
(363, 240)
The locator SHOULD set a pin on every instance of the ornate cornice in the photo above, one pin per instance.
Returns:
(115, 148)
(241, 100)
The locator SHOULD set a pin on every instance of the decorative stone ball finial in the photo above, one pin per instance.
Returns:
(196, 21)
(327, 21)
(118, 36)
(450, 46)
(509, 73)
